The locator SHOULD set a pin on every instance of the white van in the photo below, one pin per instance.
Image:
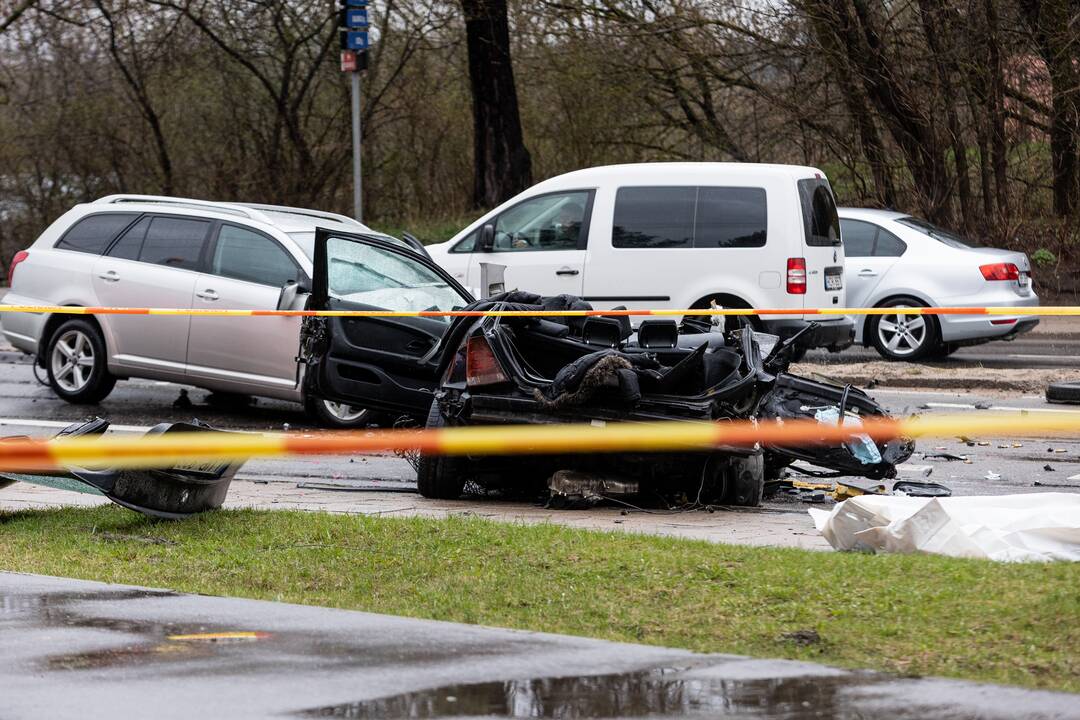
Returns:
(671, 235)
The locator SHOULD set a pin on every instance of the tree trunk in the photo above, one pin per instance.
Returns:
(1049, 22)
(998, 149)
(934, 22)
(502, 165)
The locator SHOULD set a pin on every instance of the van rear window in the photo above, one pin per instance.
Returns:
(820, 220)
(689, 216)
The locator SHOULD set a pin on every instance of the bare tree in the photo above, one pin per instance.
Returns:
(502, 163)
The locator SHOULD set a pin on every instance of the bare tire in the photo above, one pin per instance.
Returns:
(76, 363)
(440, 477)
(903, 337)
(1064, 392)
(744, 480)
(329, 414)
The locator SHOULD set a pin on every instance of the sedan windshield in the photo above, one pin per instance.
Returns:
(941, 235)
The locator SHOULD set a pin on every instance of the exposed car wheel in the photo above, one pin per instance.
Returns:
(75, 361)
(744, 480)
(329, 414)
(903, 336)
(440, 477)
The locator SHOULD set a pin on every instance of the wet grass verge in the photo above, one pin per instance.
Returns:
(978, 620)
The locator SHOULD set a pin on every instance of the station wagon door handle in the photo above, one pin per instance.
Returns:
(567, 271)
(865, 272)
(109, 276)
(207, 295)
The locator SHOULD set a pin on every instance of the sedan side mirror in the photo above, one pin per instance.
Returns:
(289, 294)
(487, 238)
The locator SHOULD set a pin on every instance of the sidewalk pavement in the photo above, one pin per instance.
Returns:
(776, 525)
(77, 649)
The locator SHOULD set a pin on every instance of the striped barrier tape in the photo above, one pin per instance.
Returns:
(177, 450)
(199, 312)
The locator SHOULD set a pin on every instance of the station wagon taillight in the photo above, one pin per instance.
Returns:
(796, 276)
(1000, 271)
(19, 257)
(481, 365)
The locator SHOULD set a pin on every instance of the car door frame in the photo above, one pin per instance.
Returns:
(141, 366)
(478, 254)
(235, 379)
(412, 394)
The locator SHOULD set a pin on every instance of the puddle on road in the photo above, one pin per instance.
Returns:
(651, 693)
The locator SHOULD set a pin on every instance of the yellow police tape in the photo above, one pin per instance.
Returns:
(193, 449)
(1035, 311)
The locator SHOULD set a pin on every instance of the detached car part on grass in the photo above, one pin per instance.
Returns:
(173, 493)
(533, 370)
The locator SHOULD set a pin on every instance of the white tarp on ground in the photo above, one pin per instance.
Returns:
(1013, 528)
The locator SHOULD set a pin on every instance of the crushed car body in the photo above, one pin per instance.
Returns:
(173, 493)
(563, 369)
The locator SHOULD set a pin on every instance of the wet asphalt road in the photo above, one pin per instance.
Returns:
(76, 649)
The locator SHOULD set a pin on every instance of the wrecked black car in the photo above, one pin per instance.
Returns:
(570, 369)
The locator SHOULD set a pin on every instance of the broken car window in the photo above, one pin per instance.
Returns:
(381, 278)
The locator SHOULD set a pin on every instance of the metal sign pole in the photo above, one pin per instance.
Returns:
(353, 27)
(358, 197)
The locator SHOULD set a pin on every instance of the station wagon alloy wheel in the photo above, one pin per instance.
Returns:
(73, 361)
(343, 412)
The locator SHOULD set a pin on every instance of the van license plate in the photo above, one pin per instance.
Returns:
(834, 282)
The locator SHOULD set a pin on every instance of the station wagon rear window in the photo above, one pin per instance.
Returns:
(93, 233)
(820, 220)
(689, 216)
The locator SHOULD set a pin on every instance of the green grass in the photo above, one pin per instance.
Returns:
(908, 614)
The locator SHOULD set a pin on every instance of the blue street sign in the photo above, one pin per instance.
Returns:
(356, 18)
(356, 40)
(354, 3)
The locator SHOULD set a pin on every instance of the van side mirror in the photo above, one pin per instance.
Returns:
(487, 238)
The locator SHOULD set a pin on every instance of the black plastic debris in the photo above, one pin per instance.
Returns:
(177, 492)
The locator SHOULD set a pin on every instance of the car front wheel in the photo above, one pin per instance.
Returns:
(903, 336)
(75, 361)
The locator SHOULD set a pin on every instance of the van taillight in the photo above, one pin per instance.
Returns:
(19, 257)
(1000, 271)
(481, 365)
(796, 276)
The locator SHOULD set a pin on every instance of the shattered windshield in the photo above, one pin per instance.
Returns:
(306, 241)
(378, 277)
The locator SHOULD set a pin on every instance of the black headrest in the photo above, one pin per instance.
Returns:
(658, 334)
(602, 331)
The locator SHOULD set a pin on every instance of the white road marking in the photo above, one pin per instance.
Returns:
(1073, 477)
(999, 408)
(26, 422)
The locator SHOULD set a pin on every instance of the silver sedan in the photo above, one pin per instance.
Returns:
(898, 261)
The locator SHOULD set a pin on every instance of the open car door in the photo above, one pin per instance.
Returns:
(383, 363)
